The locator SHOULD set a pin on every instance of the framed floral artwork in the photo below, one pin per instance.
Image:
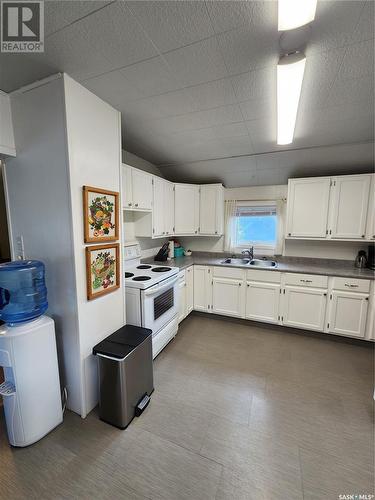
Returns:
(101, 220)
(102, 269)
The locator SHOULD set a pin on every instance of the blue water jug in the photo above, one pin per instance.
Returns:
(23, 292)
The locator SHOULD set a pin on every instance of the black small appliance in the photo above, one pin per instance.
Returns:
(162, 254)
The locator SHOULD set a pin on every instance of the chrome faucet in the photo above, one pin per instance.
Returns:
(249, 252)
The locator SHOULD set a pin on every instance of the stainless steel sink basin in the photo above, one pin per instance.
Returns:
(236, 262)
(263, 263)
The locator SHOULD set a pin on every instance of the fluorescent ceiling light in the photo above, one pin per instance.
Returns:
(289, 83)
(295, 13)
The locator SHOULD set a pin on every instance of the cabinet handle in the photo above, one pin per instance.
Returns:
(289, 234)
(306, 281)
(136, 205)
(129, 204)
(163, 232)
(196, 232)
(350, 285)
(215, 232)
(363, 235)
(248, 284)
(239, 284)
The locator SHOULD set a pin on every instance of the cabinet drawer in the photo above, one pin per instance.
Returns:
(231, 273)
(265, 276)
(309, 280)
(351, 284)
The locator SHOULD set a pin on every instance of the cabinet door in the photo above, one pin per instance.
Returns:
(181, 301)
(370, 230)
(228, 297)
(186, 209)
(308, 203)
(304, 307)
(168, 208)
(189, 279)
(202, 288)
(262, 301)
(211, 209)
(158, 208)
(127, 189)
(348, 211)
(7, 146)
(142, 189)
(347, 313)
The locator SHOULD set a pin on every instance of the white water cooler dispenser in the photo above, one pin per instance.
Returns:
(31, 391)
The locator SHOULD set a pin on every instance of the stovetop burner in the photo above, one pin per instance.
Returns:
(160, 269)
(142, 278)
(144, 266)
(129, 275)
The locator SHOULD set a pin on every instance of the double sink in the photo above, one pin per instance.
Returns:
(248, 262)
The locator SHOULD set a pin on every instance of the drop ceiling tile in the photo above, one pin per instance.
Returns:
(59, 14)
(113, 88)
(116, 35)
(23, 69)
(255, 109)
(226, 15)
(151, 77)
(263, 135)
(365, 29)
(257, 84)
(212, 94)
(350, 90)
(191, 137)
(74, 51)
(334, 24)
(169, 104)
(172, 24)
(247, 49)
(320, 73)
(358, 60)
(230, 130)
(197, 63)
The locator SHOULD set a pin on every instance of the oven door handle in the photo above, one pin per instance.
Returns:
(164, 286)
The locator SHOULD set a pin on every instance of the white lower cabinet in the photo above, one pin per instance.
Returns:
(202, 288)
(228, 297)
(304, 307)
(311, 302)
(181, 300)
(189, 280)
(262, 301)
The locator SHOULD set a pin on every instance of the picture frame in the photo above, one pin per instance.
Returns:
(102, 269)
(100, 215)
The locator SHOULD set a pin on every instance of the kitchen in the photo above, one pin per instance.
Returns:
(262, 309)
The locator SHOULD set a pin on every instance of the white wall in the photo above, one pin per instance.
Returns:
(93, 132)
(37, 184)
(138, 162)
(295, 248)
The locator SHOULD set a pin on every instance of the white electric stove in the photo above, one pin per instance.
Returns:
(151, 295)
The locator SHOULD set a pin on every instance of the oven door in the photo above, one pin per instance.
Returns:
(159, 304)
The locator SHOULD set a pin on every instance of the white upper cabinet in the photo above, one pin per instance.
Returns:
(211, 210)
(136, 189)
(331, 208)
(158, 229)
(308, 203)
(142, 189)
(7, 147)
(370, 227)
(348, 208)
(186, 209)
(127, 190)
(168, 208)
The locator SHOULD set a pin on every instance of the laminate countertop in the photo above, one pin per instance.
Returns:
(303, 265)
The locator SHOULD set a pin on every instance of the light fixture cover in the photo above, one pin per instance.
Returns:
(295, 13)
(290, 72)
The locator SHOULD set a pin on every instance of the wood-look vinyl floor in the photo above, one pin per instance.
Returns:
(239, 412)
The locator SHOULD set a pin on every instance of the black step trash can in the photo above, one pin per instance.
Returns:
(126, 378)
